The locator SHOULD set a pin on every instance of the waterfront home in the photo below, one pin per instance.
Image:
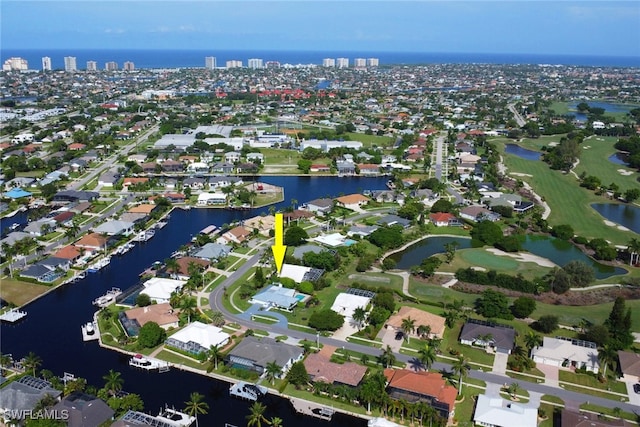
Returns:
(321, 369)
(488, 334)
(352, 201)
(23, 395)
(196, 338)
(569, 417)
(69, 252)
(185, 262)
(369, 169)
(236, 235)
(255, 353)
(277, 297)
(321, 206)
(443, 219)
(115, 228)
(223, 181)
(296, 215)
(144, 208)
(428, 387)
(47, 270)
(160, 289)
(478, 213)
(260, 224)
(174, 197)
(162, 314)
(92, 242)
(629, 366)
(84, 410)
(40, 227)
(494, 411)
(212, 251)
(435, 323)
(346, 168)
(206, 199)
(567, 353)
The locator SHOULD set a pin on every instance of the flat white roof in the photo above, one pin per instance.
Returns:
(492, 410)
(295, 272)
(346, 304)
(205, 335)
(332, 240)
(160, 289)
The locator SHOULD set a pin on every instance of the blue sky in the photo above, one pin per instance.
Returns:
(542, 27)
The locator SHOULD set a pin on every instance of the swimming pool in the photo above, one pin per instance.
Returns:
(349, 242)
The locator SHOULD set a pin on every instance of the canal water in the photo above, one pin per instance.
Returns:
(52, 326)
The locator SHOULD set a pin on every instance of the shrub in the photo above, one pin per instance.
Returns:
(326, 320)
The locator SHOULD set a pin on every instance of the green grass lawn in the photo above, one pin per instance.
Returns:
(593, 161)
(18, 293)
(371, 140)
(480, 257)
(589, 381)
(568, 201)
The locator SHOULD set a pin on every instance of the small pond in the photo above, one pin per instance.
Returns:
(619, 158)
(625, 215)
(558, 251)
(522, 152)
(414, 254)
(609, 107)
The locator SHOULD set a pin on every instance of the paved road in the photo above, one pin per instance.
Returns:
(439, 150)
(516, 115)
(215, 300)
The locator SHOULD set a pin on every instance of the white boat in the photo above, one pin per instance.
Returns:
(143, 236)
(14, 226)
(149, 364)
(81, 275)
(248, 391)
(100, 264)
(160, 224)
(89, 331)
(108, 298)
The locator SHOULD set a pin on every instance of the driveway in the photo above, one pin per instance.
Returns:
(634, 398)
(258, 310)
(388, 336)
(551, 374)
(500, 363)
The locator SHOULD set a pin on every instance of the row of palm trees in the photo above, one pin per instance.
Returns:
(197, 406)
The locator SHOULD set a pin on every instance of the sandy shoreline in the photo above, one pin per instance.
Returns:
(524, 257)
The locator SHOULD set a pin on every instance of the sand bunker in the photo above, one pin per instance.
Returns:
(520, 174)
(553, 144)
(524, 257)
(625, 172)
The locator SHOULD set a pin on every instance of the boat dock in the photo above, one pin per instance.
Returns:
(312, 409)
(247, 391)
(108, 298)
(12, 315)
(90, 331)
(145, 236)
(149, 364)
(99, 265)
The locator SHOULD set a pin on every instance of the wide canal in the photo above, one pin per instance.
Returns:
(52, 328)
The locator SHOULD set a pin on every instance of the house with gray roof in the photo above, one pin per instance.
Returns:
(390, 220)
(483, 334)
(24, 394)
(255, 353)
(84, 410)
(276, 297)
(115, 227)
(75, 196)
(299, 251)
(213, 251)
(223, 181)
(109, 178)
(223, 167)
(361, 230)
(322, 206)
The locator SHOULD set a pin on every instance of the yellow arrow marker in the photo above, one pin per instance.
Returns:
(278, 249)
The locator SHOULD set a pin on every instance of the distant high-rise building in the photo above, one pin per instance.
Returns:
(15, 64)
(129, 66)
(46, 63)
(70, 63)
(210, 62)
(234, 63)
(111, 66)
(254, 63)
(272, 64)
(92, 66)
(373, 62)
(360, 63)
(342, 62)
(328, 62)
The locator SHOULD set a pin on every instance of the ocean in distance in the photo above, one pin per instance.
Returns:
(158, 58)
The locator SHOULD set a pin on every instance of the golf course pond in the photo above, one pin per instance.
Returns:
(524, 153)
(560, 252)
(625, 215)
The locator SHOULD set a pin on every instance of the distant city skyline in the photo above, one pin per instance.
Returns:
(585, 27)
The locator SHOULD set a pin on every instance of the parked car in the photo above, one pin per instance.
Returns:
(636, 388)
(399, 335)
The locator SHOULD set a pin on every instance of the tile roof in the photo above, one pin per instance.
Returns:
(629, 363)
(437, 323)
(425, 383)
(68, 252)
(351, 199)
(320, 368)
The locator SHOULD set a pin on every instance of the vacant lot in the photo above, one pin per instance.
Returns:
(19, 293)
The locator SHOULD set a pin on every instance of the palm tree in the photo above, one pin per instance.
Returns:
(461, 368)
(450, 317)
(257, 415)
(172, 266)
(113, 382)
(513, 389)
(214, 355)
(195, 405)
(32, 361)
(427, 356)
(217, 318)
(424, 331)
(9, 253)
(607, 355)
(532, 340)
(5, 361)
(408, 326)
(387, 358)
(272, 371)
(275, 422)
(634, 249)
(359, 315)
(189, 306)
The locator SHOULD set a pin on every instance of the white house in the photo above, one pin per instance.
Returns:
(198, 338)
(568, 353)
(160, 289)
(205, 199)
(494, 411)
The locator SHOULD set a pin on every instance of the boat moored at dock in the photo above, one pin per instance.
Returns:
(108, 298)
(247, 391)
(149, 364)
(90, 331)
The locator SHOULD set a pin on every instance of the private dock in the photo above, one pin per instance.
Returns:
(108, 298)
(149, 364)
(12, 315)
(90, 331)
(247, 391)
(312, 409)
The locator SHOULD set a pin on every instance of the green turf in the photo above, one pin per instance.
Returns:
(593, 161)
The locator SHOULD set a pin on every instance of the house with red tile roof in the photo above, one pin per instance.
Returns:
(428, 387)
(236, 235)
(76, 146)
(352, 201)
(69, 252)
(442, 219)
(92, 242)
(321, 369)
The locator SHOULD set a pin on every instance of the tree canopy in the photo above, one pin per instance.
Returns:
(326, 320)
